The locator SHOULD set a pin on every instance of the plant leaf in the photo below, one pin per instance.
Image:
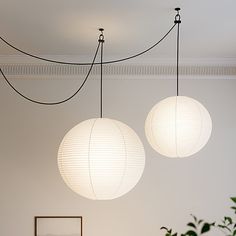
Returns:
(221, 226)
(229, 220)
(234, 208)
(234, 233)
(164, 228)
(200, 221)
(194, 217)
(191, 233)
(224, 227)
(190, 224)
(205, 228)
(233, 199)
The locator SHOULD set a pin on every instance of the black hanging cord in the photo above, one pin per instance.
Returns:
(59, 102)
(177, 21)
(101, 40)
(143, 52)
(100, 43)
(86, 63)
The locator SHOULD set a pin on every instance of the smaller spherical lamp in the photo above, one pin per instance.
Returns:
(178, 126)
(101, 159)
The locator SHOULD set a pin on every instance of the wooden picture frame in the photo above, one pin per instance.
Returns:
(58, 225)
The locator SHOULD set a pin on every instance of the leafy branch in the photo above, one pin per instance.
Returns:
(228, 225)
(196, 228)
(199, 227)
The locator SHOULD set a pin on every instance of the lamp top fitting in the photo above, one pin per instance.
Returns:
(177, 17)
(101, 36)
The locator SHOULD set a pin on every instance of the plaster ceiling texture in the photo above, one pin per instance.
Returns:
(59, 27)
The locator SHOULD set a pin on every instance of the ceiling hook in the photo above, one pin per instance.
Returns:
(101, 36)
(177, 17)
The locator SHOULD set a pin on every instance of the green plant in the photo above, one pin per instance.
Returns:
(196, 227)
(228, 225)
(199, 227)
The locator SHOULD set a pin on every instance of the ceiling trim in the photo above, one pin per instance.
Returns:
(23, 67)
(26, 70)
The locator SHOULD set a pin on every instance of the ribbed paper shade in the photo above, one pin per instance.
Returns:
(178, 126)
(101, 158)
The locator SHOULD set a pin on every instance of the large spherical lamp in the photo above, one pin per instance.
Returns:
(178, 126)
(101, 159)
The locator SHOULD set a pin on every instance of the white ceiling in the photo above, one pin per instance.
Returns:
(69, 27)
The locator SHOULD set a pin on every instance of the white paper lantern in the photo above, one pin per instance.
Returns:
(101, 159)
(178, 126)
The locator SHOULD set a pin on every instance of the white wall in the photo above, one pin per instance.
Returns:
(169, 190)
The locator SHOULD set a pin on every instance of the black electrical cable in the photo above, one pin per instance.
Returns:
(58, 102)
(101, 40)
(85, 63)
(177, 21)
(143, 52)
(177, 62)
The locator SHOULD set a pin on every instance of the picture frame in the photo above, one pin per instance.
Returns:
(58, 226)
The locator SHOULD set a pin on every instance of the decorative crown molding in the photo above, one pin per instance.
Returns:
(19, 67)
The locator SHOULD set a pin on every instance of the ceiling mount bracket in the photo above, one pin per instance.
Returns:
(177, 17)
(101, 36)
